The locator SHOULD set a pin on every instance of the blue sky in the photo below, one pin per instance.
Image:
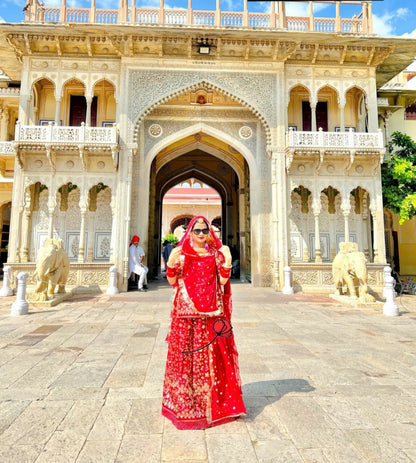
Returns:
(390, 17)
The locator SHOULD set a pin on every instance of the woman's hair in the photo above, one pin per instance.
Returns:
(200, 221)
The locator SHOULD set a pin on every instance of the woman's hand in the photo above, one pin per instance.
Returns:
(225, 251)
(176, 252)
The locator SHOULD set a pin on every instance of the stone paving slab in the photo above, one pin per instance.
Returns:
(323, 382)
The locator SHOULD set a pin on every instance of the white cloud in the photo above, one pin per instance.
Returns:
(385, 25)
(409, 34)
(2, 20)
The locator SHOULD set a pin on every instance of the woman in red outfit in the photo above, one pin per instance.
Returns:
(202, 385)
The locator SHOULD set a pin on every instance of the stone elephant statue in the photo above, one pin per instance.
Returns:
(52, 268)
(349, 269)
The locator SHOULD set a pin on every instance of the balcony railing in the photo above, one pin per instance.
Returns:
(358, 24)
(66, 135)
(335, 140)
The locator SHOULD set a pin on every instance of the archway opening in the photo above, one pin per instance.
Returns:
(195, 183)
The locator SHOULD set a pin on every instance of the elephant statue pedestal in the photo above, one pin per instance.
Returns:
(52, 269)
(349, 271)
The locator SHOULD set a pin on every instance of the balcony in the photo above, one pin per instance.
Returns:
(54, 139)
(358, 24)
(339, 144)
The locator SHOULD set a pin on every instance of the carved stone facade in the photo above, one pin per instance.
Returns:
(282, 124)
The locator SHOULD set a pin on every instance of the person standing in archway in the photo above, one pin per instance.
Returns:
(136, 266)
(202, 386)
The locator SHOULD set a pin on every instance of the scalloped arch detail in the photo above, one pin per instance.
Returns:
(196, 86)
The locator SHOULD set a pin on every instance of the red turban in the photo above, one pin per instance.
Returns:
(135, 239)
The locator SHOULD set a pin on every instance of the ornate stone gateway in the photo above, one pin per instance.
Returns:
(281, 122)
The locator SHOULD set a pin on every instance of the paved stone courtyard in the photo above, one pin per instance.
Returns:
(82, 382)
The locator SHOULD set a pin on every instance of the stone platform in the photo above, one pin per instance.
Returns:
(322, 382)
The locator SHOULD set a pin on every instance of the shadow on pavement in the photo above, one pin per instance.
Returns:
(267, 392)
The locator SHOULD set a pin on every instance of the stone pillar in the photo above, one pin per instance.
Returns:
(162, 12)
(114, 226)
(133, 12)
(245, 14)
(365, 227)
(272, 15)
(337, 20)
(4, 125)
(127, 218)
(92, 12)
(318, 257)
(313, 116)
(282, 16)
(88, 115)
(58, 112)
(122, 12)
(217, 13)
(20, 305)
(346, 209)
(112, 289)
(275, 221)
(6, 290)
(243, 248)
(51, 210)
(26, 235)
(189, 13)
(62, 13)
(311, 22)
(81, 251)
(341, 107)
(316, 208)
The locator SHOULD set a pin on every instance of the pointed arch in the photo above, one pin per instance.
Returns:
(212, 131)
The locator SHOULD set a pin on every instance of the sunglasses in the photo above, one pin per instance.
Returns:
(198, 231)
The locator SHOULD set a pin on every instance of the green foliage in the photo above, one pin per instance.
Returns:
(399, 176)
(171, 238)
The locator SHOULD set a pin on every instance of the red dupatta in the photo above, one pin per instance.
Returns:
(200, 273)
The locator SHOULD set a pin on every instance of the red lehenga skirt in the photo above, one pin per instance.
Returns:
(201, 389)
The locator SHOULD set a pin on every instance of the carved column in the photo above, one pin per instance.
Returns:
(122, 16)
(316, 209)
(346, 209)
(127, 218)
(337, 19)
(365, 227)
(275, 221)
(62, 13)
(272, 15)
(114, 226)
(245, 14)
(282, 16)
(88, 115)
(83, 205)
(133, 12)
(58, 112)
(341, 107)
(376, 208)
(5, 124)
(189, 13)
(92, 12)
(313, 115)
(311, 22)
(26, 228)
(217, 13)
(162, 12)
(51, 210)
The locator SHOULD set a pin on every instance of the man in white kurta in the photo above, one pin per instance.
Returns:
(136, 263)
